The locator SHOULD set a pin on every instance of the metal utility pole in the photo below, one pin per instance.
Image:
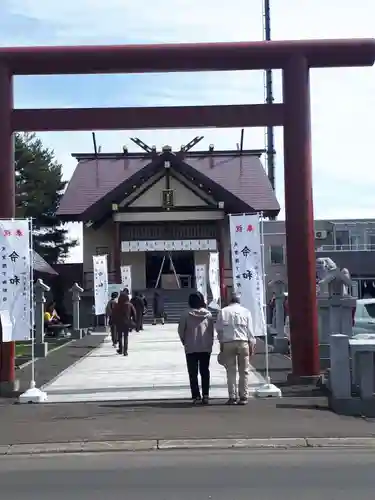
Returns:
(269, 98)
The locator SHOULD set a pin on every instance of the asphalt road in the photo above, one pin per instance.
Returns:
(220, 475)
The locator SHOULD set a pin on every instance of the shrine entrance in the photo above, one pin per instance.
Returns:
(170, 270)
(295, 58)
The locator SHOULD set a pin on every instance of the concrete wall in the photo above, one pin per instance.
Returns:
(228, 278)
(361, 263)
(201, 257)
(274, 270)
(138, 262)
(93, 240)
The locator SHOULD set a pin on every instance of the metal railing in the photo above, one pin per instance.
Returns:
(366, 247)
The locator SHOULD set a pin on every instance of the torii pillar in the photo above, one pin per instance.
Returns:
(7, 208)
(299, 222)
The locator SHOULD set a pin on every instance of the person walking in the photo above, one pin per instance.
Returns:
(124, 318)
(145, 304)
(237, 343)
(271, 310)
(108, 312)
(139, 307)
(158, 308)
(196, 332)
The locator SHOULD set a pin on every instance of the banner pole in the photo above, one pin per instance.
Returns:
(33, 394)
(268, 390)
(262, 254)
(32, 382)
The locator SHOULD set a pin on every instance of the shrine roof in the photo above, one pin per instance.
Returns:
(42, 266)
(237, 178)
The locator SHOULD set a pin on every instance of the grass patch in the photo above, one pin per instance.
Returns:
(23, 349)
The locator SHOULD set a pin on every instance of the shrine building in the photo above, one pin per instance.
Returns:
(163, 212)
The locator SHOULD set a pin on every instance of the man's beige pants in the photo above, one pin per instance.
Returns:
(236, 354)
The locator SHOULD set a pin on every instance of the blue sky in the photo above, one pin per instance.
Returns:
(343, 100)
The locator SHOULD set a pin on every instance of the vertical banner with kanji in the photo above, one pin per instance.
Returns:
(126, 278)
(214, 279)
(15, 266)
(100, 283)
(201, 279)
(247, 267)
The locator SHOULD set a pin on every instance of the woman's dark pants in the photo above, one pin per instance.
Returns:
(139, 321)
(123, 340)
(113, 334)
(199, 362)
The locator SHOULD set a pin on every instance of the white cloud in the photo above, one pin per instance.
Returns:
(87, 21)
(343, 100)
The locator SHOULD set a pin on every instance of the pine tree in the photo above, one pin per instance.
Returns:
(39, 188)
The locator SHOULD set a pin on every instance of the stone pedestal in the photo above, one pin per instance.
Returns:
(9, 388)
(352, 391)
(76, 290)
(335, 308)
(41, 349)
(340, 379)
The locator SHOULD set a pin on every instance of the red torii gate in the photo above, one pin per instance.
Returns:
(295, 58)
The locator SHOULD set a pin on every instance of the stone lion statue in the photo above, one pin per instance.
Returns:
(323, 266)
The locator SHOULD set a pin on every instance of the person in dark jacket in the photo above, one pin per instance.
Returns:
(139, 307)
(158, 308)
(108, 311)
(124, 318)
(196, 331)
(144, 302)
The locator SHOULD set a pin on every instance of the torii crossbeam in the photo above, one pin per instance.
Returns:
(295, 58)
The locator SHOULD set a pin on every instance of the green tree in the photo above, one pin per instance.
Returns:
(39, 188)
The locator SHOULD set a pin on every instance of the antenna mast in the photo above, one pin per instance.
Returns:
(270, 139)
(96, 152)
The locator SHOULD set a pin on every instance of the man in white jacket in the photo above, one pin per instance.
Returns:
(237, 343)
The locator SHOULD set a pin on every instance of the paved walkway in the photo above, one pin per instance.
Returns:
(129, 421)
(155, 369)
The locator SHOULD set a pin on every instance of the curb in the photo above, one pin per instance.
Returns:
(185, 444)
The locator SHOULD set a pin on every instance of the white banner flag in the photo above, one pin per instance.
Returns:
(100, 283)
(201, 279)
(247, 267)
(214, 279)
(126, 278)
(15, 277)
